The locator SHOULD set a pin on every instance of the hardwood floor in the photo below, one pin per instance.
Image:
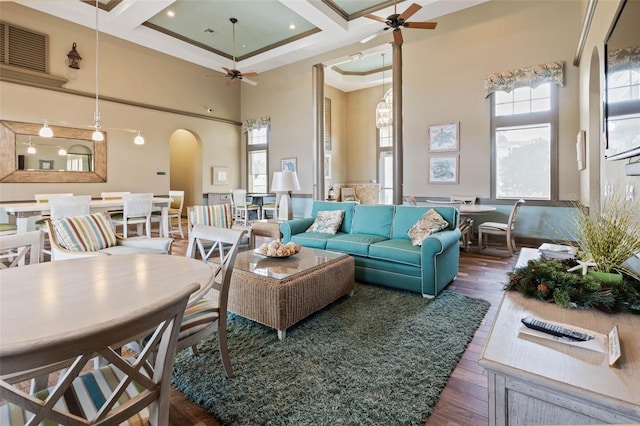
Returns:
(464, 400)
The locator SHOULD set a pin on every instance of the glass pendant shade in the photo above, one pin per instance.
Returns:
(31, 149)
(45, 131)
(383, 115)
(139, 140)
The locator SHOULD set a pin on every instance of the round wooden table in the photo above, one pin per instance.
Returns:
(44, 304)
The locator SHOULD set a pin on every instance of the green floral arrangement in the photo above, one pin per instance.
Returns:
(550, 280)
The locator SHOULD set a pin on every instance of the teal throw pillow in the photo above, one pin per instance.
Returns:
(327, 221)
(429, 223)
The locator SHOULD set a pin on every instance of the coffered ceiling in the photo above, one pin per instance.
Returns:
(268, 33)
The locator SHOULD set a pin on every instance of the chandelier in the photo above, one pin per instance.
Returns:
(383, 111)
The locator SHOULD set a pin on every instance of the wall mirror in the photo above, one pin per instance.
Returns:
(70, 156)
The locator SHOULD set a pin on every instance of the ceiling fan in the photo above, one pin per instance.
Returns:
(397, 21)
(233, 73)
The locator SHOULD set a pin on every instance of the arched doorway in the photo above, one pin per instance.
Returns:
(185, 166)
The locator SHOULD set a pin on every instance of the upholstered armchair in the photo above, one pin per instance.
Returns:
(93, 235)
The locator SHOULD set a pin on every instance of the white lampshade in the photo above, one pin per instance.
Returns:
(285, 182)
(45, 131)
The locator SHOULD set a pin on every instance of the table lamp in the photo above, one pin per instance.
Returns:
(285, 182)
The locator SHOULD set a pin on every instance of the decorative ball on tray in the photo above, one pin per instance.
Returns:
(275, 248)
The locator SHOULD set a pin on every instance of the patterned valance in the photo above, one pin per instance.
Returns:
(256, 123)
(623, 59)
(524, 77)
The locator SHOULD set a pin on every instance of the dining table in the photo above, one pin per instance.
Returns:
(22, 211)
(46, 303)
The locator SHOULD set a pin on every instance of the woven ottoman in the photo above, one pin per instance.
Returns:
(279, 292)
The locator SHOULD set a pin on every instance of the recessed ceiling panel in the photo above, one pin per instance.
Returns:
(365, 65)
(261, 24)
(352, 9)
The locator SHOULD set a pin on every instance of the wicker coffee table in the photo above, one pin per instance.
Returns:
(279, 292)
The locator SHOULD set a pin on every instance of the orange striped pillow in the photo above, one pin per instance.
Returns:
(91, 232)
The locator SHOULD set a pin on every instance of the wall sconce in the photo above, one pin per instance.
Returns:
(74, 57)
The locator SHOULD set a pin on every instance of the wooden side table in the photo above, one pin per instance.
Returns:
(536, 381)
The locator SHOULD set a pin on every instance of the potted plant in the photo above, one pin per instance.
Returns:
(606, 239)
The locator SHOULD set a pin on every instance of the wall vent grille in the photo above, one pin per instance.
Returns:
(23, 48)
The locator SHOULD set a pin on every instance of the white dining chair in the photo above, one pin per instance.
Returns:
(465, 229)
(15, 248)
(136, 211)
(272, 207)
(132, 388)
(502, 229)
(242, 207)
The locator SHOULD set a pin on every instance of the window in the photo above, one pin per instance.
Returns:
(257, 173)
(524, 143)
(385, 157)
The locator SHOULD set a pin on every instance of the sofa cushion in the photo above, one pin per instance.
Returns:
(357, 244)
(91, 232)
(333, 205)
(327, 221)
(313, 239)
(218, 215)
(396, 250)
(373, 219)
(429, 223)
(407, 216)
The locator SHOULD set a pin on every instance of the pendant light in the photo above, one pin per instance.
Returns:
(383, 111)
(97, 135)
(45, 131)
(31, 149)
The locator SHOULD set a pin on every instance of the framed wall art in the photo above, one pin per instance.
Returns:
(444, 137)
(46, 164)
(444, 169)
(219, 175)
(289, 165)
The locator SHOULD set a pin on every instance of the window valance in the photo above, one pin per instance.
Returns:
(256, 123)
(623, 59)
(552, 72)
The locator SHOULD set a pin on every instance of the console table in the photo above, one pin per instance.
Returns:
(534, 381)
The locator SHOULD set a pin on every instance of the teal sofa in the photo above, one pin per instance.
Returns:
(376, 237)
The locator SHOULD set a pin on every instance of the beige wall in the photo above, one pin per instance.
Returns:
(591, 89)
(131, 73)
(443, 82)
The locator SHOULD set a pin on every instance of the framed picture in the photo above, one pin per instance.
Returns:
(327, 166)
(444, 169)
(289, 165)
(444, 137)
(581, 149)
(219, 175)
(46, 164)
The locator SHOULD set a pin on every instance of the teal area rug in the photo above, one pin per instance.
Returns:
(381, 357)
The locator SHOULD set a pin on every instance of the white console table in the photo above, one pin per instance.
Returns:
(534, 381)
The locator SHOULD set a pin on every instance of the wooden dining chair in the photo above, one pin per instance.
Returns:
(207, 311)
(502, 229)
(136, 211)
(14, 249)
(135, 389)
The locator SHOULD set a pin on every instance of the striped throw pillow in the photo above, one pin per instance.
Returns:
(91, 232)
(218, 215)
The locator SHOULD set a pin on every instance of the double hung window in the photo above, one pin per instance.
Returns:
(524, 143)
(257, 154)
